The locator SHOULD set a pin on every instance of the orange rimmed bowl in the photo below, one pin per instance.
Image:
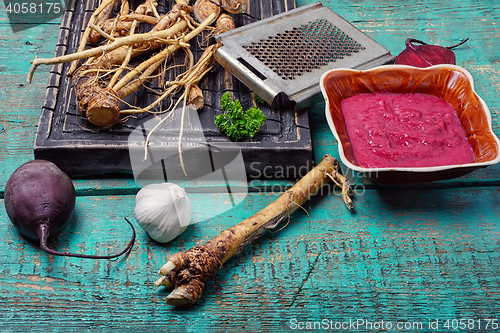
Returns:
(452, 83)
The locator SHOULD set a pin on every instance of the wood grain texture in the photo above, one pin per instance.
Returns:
(20, 103)
(388, 22)
(389, 259)
(404, 254)
(80, 148)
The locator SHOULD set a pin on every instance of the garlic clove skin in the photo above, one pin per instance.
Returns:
(163, 210)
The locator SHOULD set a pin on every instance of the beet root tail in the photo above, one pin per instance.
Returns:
(43, 232)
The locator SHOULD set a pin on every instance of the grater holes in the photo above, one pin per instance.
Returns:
(300, 50)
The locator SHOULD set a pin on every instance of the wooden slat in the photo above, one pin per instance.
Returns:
(81, 149)
(407, 255)
(389, 259)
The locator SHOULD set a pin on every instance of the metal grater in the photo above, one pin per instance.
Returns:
(281, 58)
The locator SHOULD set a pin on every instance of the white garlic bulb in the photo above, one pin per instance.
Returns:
(163, 211)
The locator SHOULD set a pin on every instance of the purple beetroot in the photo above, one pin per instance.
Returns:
(426, 55)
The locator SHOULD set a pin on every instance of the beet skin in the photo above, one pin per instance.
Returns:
(40, 199)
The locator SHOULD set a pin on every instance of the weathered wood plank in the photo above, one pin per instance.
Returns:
(403, 255)
(388, 260)
(384, 21)
(20, 103)
(390, 23)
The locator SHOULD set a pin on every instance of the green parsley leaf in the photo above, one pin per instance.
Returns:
(234, 122)
(259, 99)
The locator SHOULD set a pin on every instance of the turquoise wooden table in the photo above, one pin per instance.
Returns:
(418, 258)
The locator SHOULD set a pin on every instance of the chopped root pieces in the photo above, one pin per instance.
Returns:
(187, 272)
(204, 8)
(235, 6)
(195, 97)
(108, 75)
(99, 103)
(224, 23)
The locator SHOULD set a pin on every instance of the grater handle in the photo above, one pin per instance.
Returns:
(244, 72)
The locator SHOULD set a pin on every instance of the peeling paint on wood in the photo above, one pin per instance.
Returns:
(404, 254)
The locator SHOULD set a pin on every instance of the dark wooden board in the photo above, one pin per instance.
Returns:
(81, 149)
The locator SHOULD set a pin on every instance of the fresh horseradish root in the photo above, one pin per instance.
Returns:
(102, 75)
(188, 272)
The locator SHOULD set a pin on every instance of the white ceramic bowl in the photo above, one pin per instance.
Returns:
(452, 83)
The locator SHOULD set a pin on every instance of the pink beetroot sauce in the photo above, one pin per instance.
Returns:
(404, 130)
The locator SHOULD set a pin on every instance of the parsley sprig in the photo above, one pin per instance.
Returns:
(234, 122)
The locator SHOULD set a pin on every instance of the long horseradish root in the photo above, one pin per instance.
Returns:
(188, 272)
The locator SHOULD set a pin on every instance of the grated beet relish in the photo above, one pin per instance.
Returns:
(404, 130)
